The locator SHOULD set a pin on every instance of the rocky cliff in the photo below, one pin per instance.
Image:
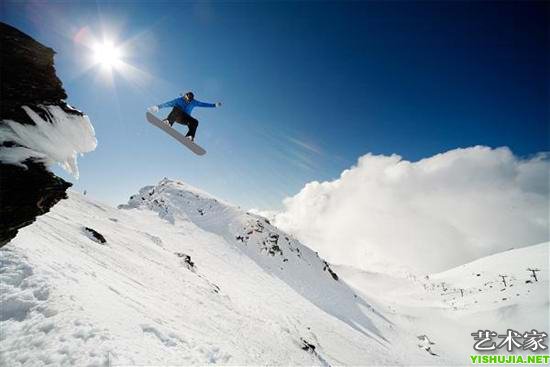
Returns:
(32, 105)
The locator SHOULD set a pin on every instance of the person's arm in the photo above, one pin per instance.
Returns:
(204, 104)
(171, 103)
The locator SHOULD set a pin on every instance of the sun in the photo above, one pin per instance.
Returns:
(107, 54)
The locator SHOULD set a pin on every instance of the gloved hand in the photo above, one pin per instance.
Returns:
(218, 104)
(153, 109)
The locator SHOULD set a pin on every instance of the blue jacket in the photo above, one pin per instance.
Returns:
(185, 106)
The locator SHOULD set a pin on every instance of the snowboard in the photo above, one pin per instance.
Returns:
(175, 134)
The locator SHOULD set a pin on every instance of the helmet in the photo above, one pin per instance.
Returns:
(190, 96)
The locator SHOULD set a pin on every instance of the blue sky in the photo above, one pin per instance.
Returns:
(307, 87)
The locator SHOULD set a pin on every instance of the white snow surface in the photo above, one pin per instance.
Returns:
(186, 279)
(58, 140)
(447, 307)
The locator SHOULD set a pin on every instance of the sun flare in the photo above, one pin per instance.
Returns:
(107, 54)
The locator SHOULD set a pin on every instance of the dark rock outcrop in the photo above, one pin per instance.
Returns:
(326, 267)
(94, 235)
(27, 77)
(307, 346)
(187, 260)
(25, 194)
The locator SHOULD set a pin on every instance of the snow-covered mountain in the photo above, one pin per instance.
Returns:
(178, 277)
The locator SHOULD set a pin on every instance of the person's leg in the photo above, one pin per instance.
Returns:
(192, 123)
(174, 116)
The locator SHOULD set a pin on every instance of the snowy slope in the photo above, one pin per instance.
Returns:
(444, 309)
(182, 278)
(479, 299)
(498, 281)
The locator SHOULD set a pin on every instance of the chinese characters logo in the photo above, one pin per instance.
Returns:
(529, 340)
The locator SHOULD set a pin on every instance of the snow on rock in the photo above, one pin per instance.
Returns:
(35, 120)
(57, 137)
(181, 286)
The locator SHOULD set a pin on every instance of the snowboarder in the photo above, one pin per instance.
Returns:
(181, 112)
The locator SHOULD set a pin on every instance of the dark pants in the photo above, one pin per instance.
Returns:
(177, 115)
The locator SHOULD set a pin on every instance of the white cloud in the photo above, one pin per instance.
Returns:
(428, 215)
